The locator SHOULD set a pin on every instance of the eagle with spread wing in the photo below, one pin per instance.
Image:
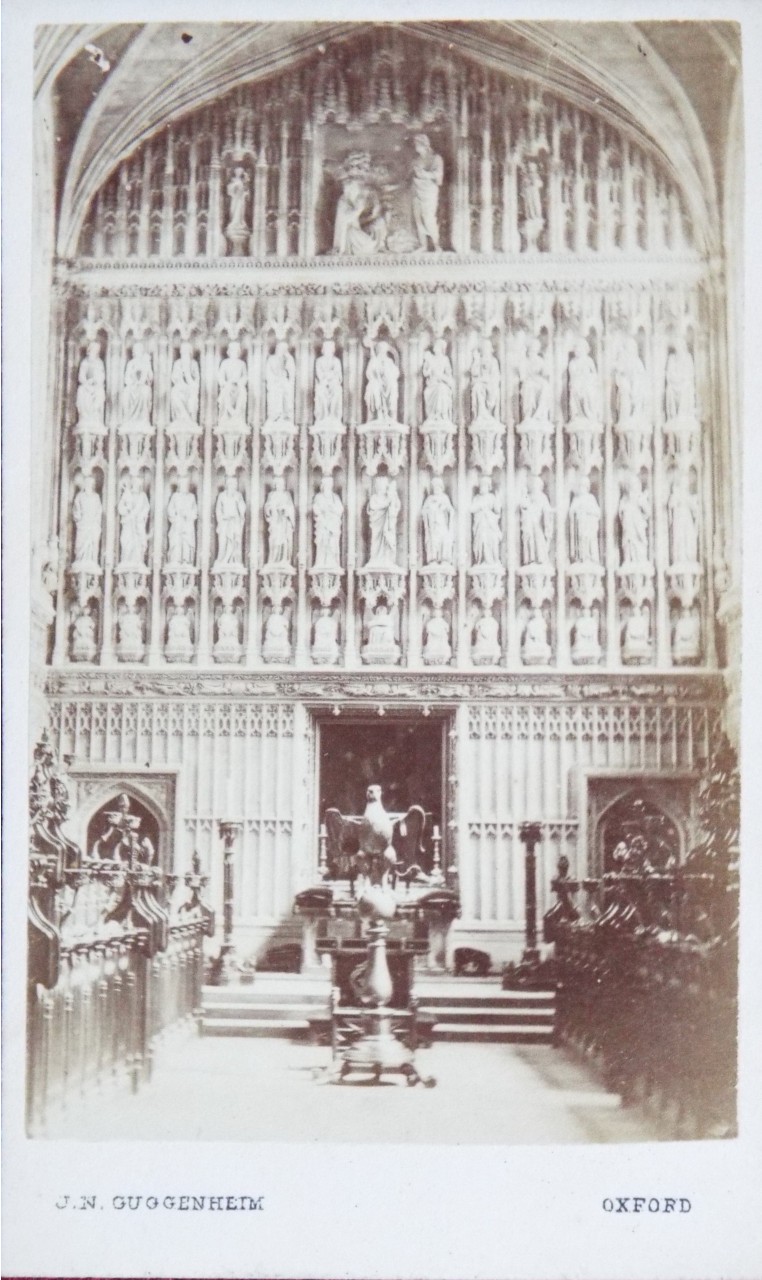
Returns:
(377, 844)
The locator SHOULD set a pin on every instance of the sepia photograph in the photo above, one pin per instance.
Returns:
(375, 662)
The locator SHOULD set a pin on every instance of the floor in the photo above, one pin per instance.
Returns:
(214, 1089)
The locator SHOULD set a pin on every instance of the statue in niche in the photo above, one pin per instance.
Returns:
(438, 515)
(584, 525)
(325, 645)
(531, 198)
(228, 644)
(535, 647)
(634, 515)
(426, 181)
(83, 647)
(360, 225)
(328, 513)
(87, 513)
(280, 384)
(383, 513)
(485, 523)
(584, 385)
(382, 644)
(179, 643)
(486, 647)
(485, 382)
(686, 638)
(680, 392)
(438, 383)
(329, 384)
(230, 513)
(238, 197)
(182, 512)
(535, 386)
(134, 510)
(276, 646)
(682, 514)
(91, 389)
(280, 517)
(130, 639)
(382, 384)
(231, 393)
(535, 522)
(586, 646)
(631, 383)
(138, 388)
(437, 649)
(185, 390)
(636, 643)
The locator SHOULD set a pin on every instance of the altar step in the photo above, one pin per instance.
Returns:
(295, 1006)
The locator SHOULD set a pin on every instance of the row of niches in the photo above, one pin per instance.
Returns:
(387, 155)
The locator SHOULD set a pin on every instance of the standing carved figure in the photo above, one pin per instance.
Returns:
(280, 384)
(328, 513)
(438, 383)
(634, 515)
(230, 513)
(280, 517)
(584, 525)
(485, 518)
(536, 523)
(535, 386)
(381, 391)
(680, 393)
(682, 513)
(531, 192)
(184, 393)
(360, 224)
(238, 195)
(631, 384)
(87, 513)
(383, 513)
(91, 389)
(427, 178)
(138, 384)
(182, 512)
(438, 517)
(584, 387)
(134, 509)
(231, 394)
(485, 381)
(329, 382)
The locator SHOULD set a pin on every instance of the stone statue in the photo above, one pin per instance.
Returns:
(179, 643)
(631, 382)
(438, 515)
(531, 192)
(536, 523)
(535, 387)
(329, 382)
(228, 643)
(138, 384)
(238, 196)
(586, 646)
(426, 180)
(382, 390)
(584, 524)
(134, 510)
(325, 645)
(91, 389)
(83, 637)
(438, 383)
(682, 513)
(360, 224)
(280, 384)
(584, 385)
(185, 389)
(280, 517)
(485, 520)
(680, 393)
(636, 642)
(231, 393)
(130, 640)
(230, 513)
(328, 513)
(535, 647)
(276, 646)
(634, 515)
(182, 512)
(437, 649)
(87, 513)
(485, 381)
(486, 648)
(383, 513)
(686, 639)
(381, 640)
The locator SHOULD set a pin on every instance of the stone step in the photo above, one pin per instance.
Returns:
(477, 1031)
(286, 1027)
(471, 1013)
(244, 997)
(231, 1010)
(465, 1001)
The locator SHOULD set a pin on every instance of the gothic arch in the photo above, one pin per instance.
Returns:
(108, 788)
(660, 801)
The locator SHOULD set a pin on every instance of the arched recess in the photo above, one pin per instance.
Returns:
(121, 815)
(155, 794)
(638, 819)
(642, 98)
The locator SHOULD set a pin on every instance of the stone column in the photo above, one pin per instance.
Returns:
(282, 234)
(161, 398)
(207, 496)
(114, 374)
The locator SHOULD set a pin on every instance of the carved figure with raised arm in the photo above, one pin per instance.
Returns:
(383, 514)
(485, 381)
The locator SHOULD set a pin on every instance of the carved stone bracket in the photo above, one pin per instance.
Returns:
(584, 444)
(132, 583)
(635, 584)
(586, 584)
(537, 584)
(183, 447)
(377, 585)
(438, 444)
(85, 583)
(231, 455)
(383, 443)
(180, 583)
(634, 445)
(681, 442)
(536, 451)
(135, 448)
(88, 448)
(325, 585)
(278, 441)
(327, 442)
(486, 435)
(683, 584)
(229, 583)
(437, 584)
(487, 584)
(277, 584)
